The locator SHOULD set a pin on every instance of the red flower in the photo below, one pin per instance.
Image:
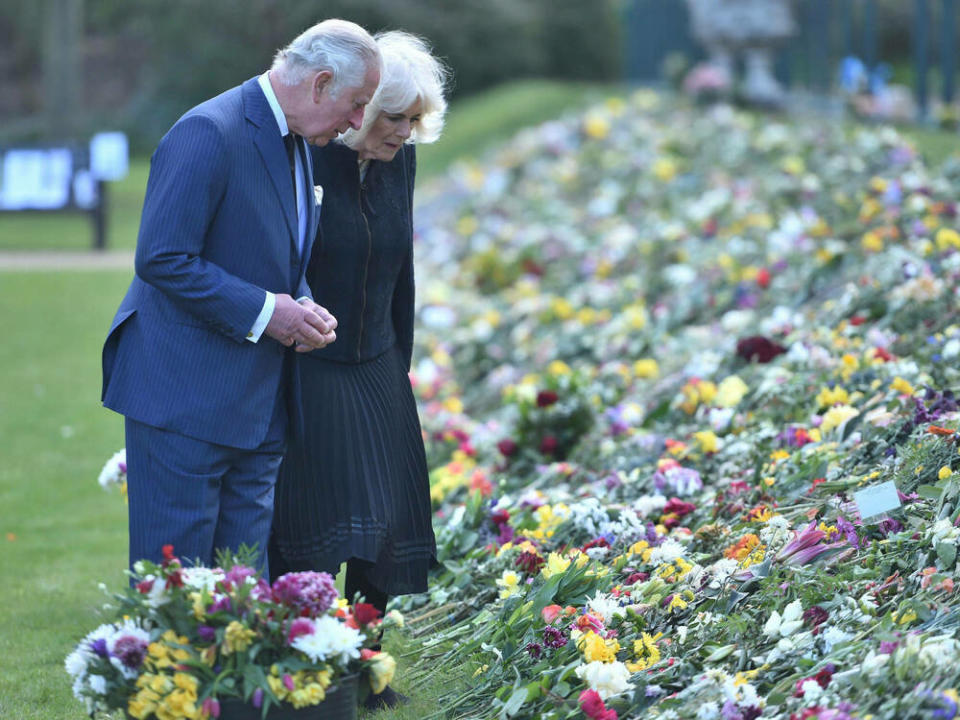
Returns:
(758, 348)
(858, 320)
(365, 613)
(507, 447)
(599, 542)
(592, 705)
(883, 354)
(168, 552)
(499, 517)
(548, 446)
(679, 507)
(546, 398)
(763, 278)
(145, 586)
(529, 562)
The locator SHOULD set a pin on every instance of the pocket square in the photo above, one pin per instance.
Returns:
(318, 193)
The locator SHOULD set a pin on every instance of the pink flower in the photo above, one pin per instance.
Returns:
(806, 546)
(300, 626)
(211, 707)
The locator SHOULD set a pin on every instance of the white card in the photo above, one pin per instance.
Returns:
(877, 499)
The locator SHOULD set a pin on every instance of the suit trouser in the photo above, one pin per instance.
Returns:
(198, 496)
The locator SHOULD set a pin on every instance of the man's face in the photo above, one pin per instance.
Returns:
(326, 116)
(389, 132)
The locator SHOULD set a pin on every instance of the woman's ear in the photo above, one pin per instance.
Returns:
(321, 81)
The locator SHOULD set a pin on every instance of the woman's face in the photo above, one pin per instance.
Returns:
(388, 133)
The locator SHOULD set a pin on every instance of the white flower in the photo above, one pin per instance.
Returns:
(330, 640)
(708, 711)
(114, 471)
(394, 617)
(667, 551)
(649, 504)
(157, 595)
(811, 690)
(201, 578)
(833, 636)
(606, 606)
(783, 626)
(98, 683)
(608, 679)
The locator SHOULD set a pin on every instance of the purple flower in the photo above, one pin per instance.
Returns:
(130, 651)
(889, 526)
(553, 637)
(257, 698)
(679, 480)
(730, 711)
(221, 605)
(849, 531)
(535, 650)
(99, 647)
(238, 574)
(888, 646)
(206, 633)
(310, 593)
(300, 626)
(806, 546)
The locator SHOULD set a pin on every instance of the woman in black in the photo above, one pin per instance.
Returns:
(353, 486)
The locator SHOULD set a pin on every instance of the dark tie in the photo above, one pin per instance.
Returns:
(289, 141)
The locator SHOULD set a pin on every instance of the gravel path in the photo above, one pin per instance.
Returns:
(18, 261)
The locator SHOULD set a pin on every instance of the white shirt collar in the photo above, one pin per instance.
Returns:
(264, 81)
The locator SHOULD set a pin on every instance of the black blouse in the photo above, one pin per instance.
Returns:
(361, 268)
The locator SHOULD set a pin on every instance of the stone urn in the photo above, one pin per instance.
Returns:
(748, 28)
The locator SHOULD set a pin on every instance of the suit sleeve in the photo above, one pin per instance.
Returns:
(188, 177)
(404, 292)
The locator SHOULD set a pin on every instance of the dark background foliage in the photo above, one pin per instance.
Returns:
(144, 63)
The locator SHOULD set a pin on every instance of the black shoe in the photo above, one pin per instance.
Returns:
(385, 700)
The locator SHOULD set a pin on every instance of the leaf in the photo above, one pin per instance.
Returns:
(947, 554)
(544, 596)
(657, 413)
(850, 425)
(929, 492)
(516, 701)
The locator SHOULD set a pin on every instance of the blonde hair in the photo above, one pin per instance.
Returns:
(409, 73)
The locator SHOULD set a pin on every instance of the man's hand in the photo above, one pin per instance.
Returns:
(326, 316)
(300, 324)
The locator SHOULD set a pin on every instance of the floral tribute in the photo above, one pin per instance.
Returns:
(661, 350)
(188, 639)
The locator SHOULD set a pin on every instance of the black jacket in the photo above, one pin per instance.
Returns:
(361, 269)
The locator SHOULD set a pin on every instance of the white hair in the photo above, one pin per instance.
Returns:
(341, 47)
(409, 73)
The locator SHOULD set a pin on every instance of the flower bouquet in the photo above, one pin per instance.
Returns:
(198, 643)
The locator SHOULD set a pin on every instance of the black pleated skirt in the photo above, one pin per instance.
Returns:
(354, 483)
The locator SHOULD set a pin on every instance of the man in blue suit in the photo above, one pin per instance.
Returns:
(197, 355)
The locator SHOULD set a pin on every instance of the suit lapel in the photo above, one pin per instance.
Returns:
(266, 138)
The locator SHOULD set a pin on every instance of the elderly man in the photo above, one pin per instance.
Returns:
(197, 355)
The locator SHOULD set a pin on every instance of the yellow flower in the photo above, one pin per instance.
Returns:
(596, 126)
(871, 241)
(836, 416)
(636, 316)
(793, 165)
(901, 386)
(731, 391)
(645, 651)
(827, 397)
(947, 238)
(677, 603)
(707, 390)
(467, 225)
(453, 404)
(556, 563)
(596, 649)
(777, 455)
(646, 368)
(558, 368)
(708, 442)
(382, 669)
(509, 583)
(237, 638)
(664, 169)
(561, 308)
(945, 472)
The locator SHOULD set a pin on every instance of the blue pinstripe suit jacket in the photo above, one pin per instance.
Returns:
(219, 227)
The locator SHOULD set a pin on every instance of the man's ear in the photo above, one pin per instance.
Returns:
(321, 81)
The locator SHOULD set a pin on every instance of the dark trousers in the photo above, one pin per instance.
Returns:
(198, 496)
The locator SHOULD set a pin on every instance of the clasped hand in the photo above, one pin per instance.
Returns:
(302, 323)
